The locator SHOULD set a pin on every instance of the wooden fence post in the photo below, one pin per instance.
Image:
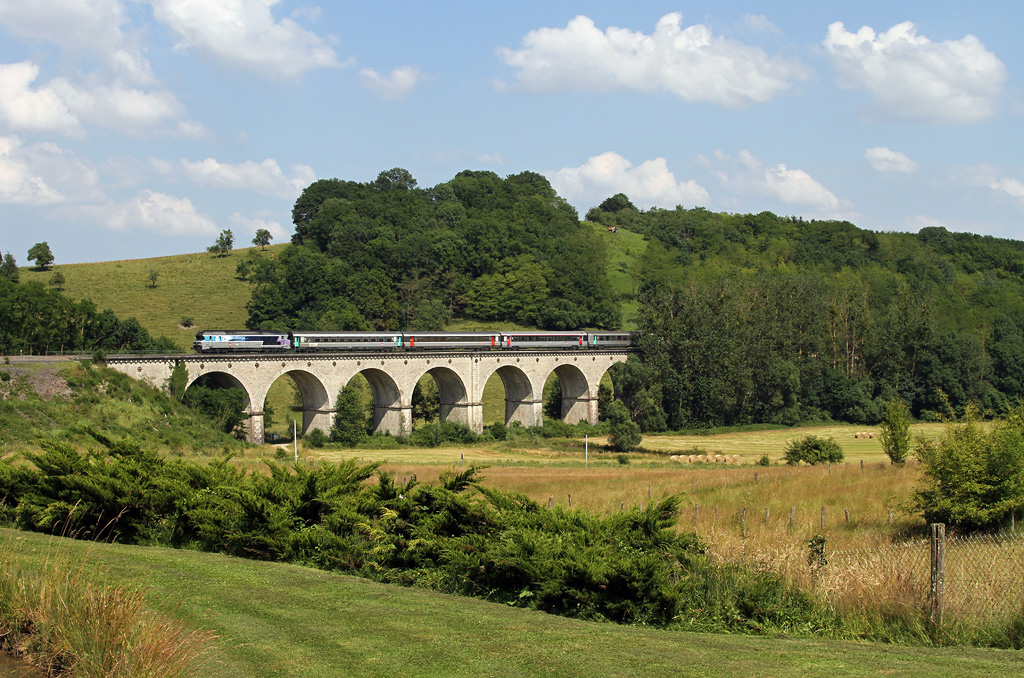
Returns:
(938, 593)
(792, 516)
(823, 517)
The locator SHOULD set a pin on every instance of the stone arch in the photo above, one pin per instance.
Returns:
(315, 399)
(521, 402)
(391, 413)
(576, 393)
(453, 395)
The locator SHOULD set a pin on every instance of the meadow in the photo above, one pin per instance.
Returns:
(274, 620)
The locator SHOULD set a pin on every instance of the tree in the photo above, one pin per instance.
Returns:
(41, 254)
(9, 268)
(262, 238)
(813, 450)
(153, 275)
(616, 203)
(178, 381)
(225, 241)
(349, 418)
(624, 434)
(895, 435)
(974, 478)
(57, 280)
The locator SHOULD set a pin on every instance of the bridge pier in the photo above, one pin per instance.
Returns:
(254, 432)
(469, 414)
(583, 408)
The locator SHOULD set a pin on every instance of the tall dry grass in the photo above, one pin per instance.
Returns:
(68, 620)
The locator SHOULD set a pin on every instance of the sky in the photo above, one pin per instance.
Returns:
(142, 128)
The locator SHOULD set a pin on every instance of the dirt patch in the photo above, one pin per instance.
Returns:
(44, 380)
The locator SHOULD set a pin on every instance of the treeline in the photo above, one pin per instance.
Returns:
(38, 320)
(387, 255)
(759, 318)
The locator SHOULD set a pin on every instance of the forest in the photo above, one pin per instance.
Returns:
(759, 318)
(387, 255)
(744, 318)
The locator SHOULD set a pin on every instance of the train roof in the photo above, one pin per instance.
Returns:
(275, 333)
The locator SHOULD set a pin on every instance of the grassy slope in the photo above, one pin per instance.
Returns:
(201, 286)
(282, 620)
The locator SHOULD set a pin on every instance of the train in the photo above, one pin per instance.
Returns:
(263, 341)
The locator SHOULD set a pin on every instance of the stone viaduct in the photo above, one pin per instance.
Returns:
(460, 378)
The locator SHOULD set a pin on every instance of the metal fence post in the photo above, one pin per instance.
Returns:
(938, 592)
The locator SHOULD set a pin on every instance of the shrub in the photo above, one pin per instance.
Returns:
(974, 478)
(315, 439)
(813, 450)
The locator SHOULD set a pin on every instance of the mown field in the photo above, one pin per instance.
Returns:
(276, 620)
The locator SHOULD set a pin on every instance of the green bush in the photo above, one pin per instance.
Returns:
(813, 450)
(315, 439)
(974, 479)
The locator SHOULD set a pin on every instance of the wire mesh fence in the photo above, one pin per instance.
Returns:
(983, 576)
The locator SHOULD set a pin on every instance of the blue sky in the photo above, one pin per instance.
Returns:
(138, 128)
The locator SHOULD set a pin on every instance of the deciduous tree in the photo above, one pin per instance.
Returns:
(41, 254)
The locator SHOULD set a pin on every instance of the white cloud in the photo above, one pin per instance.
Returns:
(759, 23)
(244, 33)
(690, 63)
(396, 85)
(912, 78)
(63, 107)
(150, 211)
(265, 177)
(94, 26)
(1011, 187)
(19, 183)
(747, 174)
(24, 108)
(120, 108)
(648, 185)
(883, 159)
(45, 174)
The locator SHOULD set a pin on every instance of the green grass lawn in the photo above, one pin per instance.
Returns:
(283, 620)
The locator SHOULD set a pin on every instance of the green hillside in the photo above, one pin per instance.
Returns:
(200, 286)
(207, 289)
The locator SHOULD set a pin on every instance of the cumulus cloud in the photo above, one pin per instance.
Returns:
(19, 184)
(27, 109)
(691, 63)
(747, 174)
(245, 33)
(63, 107)
(265, 177)
(883, 159)
(94, 26)
(1011, 187)
(648, 185)
(45, 174)
(912, 78)
(150, 211)
(394, 86)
